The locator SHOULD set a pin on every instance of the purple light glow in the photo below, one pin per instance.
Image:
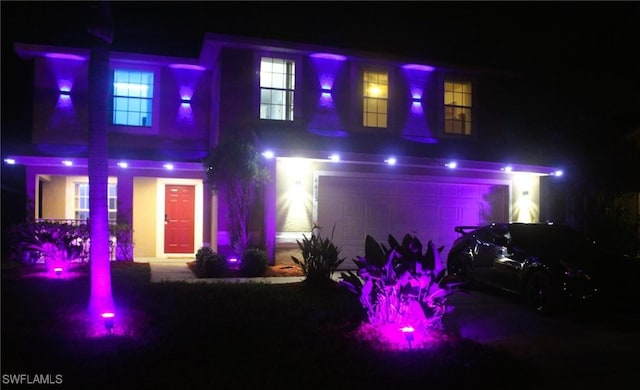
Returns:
(64, 102)
(186, 93)
(421, 68)
(64, 86)
(416, 108)
(328, 56)
(187, 66)
(65, 56)
(330, 133)
(326, 100)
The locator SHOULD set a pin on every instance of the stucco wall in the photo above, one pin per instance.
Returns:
(144, 216)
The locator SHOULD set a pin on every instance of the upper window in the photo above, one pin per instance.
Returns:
(375, 99)
(457, 107)
(277, 85)
(132, 97)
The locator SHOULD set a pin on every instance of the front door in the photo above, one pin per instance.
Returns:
(179, 211)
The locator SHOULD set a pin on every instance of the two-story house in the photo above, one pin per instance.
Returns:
(357, 143)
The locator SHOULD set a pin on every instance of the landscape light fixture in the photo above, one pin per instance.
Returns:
(108, 317)
(408, 334)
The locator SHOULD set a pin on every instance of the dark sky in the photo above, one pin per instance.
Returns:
(582, 53)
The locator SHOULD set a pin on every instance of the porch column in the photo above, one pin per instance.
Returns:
(270, 210)
(124, 247)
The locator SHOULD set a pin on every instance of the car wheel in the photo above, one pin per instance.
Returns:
(540, 293)
(458, 266)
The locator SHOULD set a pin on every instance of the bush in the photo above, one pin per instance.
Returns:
(253, 263)
(320, 257)
(210, 264)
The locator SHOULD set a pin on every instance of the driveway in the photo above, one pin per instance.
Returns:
(578, 350)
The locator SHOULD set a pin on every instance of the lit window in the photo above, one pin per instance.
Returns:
(132, 98)
(81, 201)
(375, 99)
(457, 107)
(277, 85)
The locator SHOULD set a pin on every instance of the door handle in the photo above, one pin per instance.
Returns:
(166, 219)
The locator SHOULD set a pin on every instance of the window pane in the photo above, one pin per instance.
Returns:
(132, 100)
(276, 88)
(375, 94)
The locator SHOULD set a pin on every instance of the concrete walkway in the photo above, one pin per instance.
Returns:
(177, 270)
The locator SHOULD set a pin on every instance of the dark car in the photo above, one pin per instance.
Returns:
(551, 266)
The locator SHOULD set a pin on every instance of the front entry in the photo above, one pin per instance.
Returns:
(179, 211)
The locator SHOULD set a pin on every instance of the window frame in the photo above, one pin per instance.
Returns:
(290, 91)
(79, 212)
(155, 99)
(364, 99)
(452, 123)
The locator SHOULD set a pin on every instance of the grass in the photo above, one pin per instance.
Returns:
(220, 336)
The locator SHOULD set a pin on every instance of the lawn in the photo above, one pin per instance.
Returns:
(220, 336)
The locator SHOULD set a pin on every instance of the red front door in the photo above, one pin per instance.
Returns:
(179, 214)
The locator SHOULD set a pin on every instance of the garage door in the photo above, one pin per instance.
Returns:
(430, 210)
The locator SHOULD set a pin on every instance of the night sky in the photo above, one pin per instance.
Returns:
(580, 60)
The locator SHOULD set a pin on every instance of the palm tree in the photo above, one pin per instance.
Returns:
(100, 28)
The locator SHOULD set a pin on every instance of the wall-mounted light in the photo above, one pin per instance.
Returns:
(10, 161)
(267, 154)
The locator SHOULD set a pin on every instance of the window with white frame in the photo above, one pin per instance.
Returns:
(132, 97)
(457, 107)
(277, 86)
(375, 99)
(81, 201)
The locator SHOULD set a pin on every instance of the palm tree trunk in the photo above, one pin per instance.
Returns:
(101, 299)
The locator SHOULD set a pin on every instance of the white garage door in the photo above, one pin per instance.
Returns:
(358, 207)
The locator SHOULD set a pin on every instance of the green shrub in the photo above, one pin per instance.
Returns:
(210, 264)
(320, 257)
(253, 263)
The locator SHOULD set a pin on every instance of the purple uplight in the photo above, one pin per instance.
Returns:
(422, 68)
(65, 56)
(186, 93)
(187, 66)
(328, 56)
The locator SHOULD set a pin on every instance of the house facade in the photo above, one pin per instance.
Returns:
(356, 143)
